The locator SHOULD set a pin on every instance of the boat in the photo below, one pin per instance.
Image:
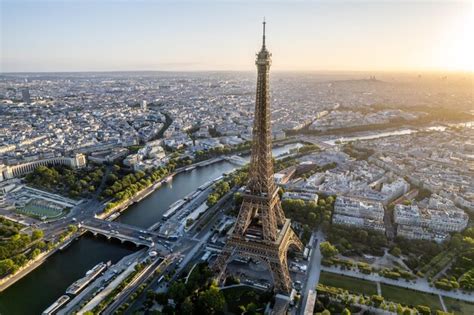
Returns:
(80, 284)
(63, 299)
(114, 216)
(66, 244)
(168, 179)
(173, 208)
(204, 186)
(188, 196)
(190, 168)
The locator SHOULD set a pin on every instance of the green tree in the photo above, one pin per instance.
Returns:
(346, 312)
(187, 306)
(424, 310)
(7, 266)
(377, 300)
(36, 234)
(328, 250)
(396, 251)
(211, 301)
(312, 219)
(177, 291)
(35, 253)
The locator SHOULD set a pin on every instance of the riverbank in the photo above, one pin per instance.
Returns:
(114, 212)
(377, 128)
(32, 265)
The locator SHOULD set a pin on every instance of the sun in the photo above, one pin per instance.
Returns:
(457, 44)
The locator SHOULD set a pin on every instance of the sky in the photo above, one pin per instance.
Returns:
(119, 35)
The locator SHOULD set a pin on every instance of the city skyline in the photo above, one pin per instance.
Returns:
(63, 36)
(223, 192)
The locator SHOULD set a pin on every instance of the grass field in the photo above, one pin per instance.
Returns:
(348, 283)
(410, 297)
(458, 307)
(40, 211)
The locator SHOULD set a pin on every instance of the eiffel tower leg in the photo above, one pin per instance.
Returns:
(279, 213)
(219, 265)
(244, 217)
(280, 274)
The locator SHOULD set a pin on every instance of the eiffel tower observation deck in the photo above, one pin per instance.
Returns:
(261, 231)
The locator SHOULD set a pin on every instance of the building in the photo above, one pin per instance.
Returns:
(25, 95)
(359, 208)
(395, 189)
(413, 220)
(356, 222)
(11, 171)
(306, 196)
(419, 233)
(261, 231)
(359, 213)
(284, 176)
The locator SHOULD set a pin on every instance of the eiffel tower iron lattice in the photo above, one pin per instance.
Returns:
(261, 231)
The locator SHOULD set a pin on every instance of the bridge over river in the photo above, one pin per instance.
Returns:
(120, 231)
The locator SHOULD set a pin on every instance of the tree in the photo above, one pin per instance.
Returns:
(187, 306)
(424, 310)
(35, 253)
(312, 218)
(238, 198)
(36, 234)
(249, 309)
(396, 251)
(211, 301)
(345, 312)
(7, 266)
(328, 250)
(161, 298)
(377, 300)
(212, 199)
(177, 291)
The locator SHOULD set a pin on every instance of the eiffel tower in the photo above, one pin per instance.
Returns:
(261, 231)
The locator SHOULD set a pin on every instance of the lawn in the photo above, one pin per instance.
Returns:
(458, 307)
(410, 297)
(348, 283)
(40, 211)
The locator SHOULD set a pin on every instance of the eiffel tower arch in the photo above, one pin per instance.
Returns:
(261, 231)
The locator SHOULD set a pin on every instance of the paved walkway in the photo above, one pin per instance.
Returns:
(314, 268)
(417, 285)
(442, 303)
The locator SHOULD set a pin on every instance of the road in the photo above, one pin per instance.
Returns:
(314, 268)
(132, 286)
(102, 280)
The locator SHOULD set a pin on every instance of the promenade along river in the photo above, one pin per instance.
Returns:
(36, 291)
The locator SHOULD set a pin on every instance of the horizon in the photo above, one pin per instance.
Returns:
(50, 36)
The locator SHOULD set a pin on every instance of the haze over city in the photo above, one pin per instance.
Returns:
(52, 35)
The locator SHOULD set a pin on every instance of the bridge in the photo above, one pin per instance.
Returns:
(120, 231)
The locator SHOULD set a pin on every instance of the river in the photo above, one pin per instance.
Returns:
(36, 291)
(381, 134)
